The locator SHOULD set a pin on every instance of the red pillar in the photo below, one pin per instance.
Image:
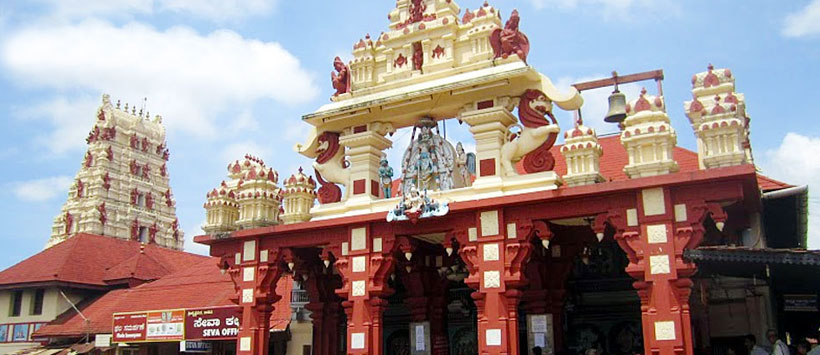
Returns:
(320, 283)
(254, 273)
(654, 236)
(365, 264)
(495, 250)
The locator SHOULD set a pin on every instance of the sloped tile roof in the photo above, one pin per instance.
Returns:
(201, 285)
(90, 260)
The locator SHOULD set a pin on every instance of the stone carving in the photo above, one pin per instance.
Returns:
(330, 167)
(88, 160)
(417, 8)
(416, 204)
(341, 78)
(400, 61)
(465, 165)
(69, 221)
(428, 161)
(103, 213)
(386, 177)
(536, 132)
(510, 40)
(80, 188)
(418, 56)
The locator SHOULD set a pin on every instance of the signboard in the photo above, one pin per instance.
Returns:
(212, 323)
(165, 325)
(129, 327)
(102, 340)
(216, 323)
(194, 346)
(20, 332)
(800, 303)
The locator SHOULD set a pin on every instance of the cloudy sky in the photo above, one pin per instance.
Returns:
(234, 76)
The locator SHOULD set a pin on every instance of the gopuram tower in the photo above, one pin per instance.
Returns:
(122, 188)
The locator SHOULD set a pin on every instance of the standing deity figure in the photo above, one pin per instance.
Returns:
(510, 40)
(341, 81)
(465, 166)
(418, 56)
(429, 161)
(417, 8)
(386, 177)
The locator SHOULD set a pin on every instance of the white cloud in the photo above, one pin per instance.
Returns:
(188, 78)
(238, 150)
(71, 120)
(43, 189)
(611, 8)
(804, 22)
(797, 161)
(216, 10)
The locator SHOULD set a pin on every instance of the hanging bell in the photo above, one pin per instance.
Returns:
(617, 107)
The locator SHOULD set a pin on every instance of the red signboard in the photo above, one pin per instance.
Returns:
(129, 327)
(212, 323)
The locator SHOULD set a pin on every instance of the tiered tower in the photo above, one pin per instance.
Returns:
(250, 199)
(648, 137)
(300, 193)
(582, 154)
(122, 187)
(718, 117)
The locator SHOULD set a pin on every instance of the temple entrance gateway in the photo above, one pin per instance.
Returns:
(515, 245)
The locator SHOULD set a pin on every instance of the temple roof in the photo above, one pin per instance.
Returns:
(197, 286)
(88, 260)
(725, 253)
(615, 158)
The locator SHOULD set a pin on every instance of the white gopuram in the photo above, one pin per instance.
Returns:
(122, 188)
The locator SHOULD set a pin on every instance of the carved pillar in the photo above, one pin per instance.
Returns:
(495, 253)
(488, 122)
(365, 265)
(365, 143)
(320, 284)
(654, 236)
(254, 273)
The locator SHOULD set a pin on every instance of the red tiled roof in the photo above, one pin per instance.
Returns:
(615, 158)
(90, 260)
(200, 285)
(768, 184)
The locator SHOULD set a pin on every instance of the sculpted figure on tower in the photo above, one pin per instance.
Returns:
(538, 132)
(510, 40)
(341, 78)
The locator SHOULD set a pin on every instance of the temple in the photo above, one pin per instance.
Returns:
(122, 188)
(498, 244)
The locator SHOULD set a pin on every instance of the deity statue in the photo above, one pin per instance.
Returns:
(418, 56)
(386, 177)
(414, 205)
(465, 166)
(430, 162)
(417, 8)
(510, 40)
(341, 81)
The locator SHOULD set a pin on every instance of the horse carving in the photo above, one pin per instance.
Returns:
(330, 167)
(537, 131)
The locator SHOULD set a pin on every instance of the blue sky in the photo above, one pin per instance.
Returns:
(234, 76)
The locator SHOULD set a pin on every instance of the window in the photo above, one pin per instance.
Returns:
(37, 302)
(141, 199)
(143, 235)
(16, 303)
